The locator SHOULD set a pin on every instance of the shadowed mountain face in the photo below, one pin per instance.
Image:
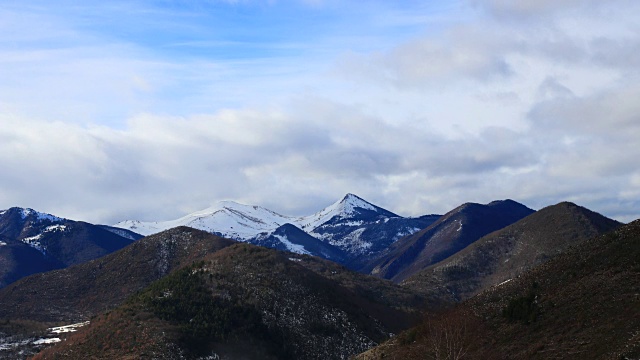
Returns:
(506, 253)
(35, 242)
(291, 238)
(581, 304)
(248, 302)
(78, 292)
(18, 260)
(450, 234)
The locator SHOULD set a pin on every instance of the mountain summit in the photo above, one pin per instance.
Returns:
(351, 207)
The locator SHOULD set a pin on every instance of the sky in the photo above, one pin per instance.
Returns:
(149, 110)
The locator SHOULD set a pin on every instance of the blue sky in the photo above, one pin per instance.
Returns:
(153, 109)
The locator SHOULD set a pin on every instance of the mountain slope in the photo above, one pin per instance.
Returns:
(18, 260)
(356, 227)
(288, 237)
(55, 243)
(228, 219)
(582, 304)
(506, 253)
(243, 302)
(78, 292)
(361, 229)
(450, 234)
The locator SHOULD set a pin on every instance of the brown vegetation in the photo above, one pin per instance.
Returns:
(583, 304)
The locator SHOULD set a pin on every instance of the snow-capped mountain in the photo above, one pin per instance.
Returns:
(352, 225)
(228, 218)
(32, 241)
(360, 228)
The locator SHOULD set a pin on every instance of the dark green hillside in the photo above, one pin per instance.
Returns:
(243, 301)
(582, 304)
(81, 291)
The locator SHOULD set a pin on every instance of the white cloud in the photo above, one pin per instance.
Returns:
(535, 101)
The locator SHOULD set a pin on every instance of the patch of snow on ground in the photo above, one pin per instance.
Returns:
(46, 341)
(351, 242)
(295, 248)
(294, 259)
(56, 227)
(34, 242)
(43, 216)
(67, 328)
(2, 243)
(12, 346)
(24, 212)
(504, 282)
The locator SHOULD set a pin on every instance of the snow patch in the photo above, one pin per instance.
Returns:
(57, 227)
(34, 242)
(504, 282)
(24, 212)
(67, 328)
(294, 248)
(46, 341)
(2, 243)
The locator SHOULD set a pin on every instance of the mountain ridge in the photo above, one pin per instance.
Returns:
(506, 253)
(449, 234)
(36, 242)
(351, 224)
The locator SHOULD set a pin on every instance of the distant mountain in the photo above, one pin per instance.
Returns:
(451, 233)
(245, 302)
(33, 242)
(356, 227)
(361, 229)
(509, 252)
(78, 292)
(228, 219)
(581, 304)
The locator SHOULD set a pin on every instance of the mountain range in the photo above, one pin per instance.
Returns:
(514, 274)
(351, 231)
(509, 252)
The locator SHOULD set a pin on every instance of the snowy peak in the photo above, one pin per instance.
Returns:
(28, 213)
(228, 218)
(351, 207)
(348, 205)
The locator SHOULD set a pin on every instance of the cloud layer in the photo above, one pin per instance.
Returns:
(535, 101)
